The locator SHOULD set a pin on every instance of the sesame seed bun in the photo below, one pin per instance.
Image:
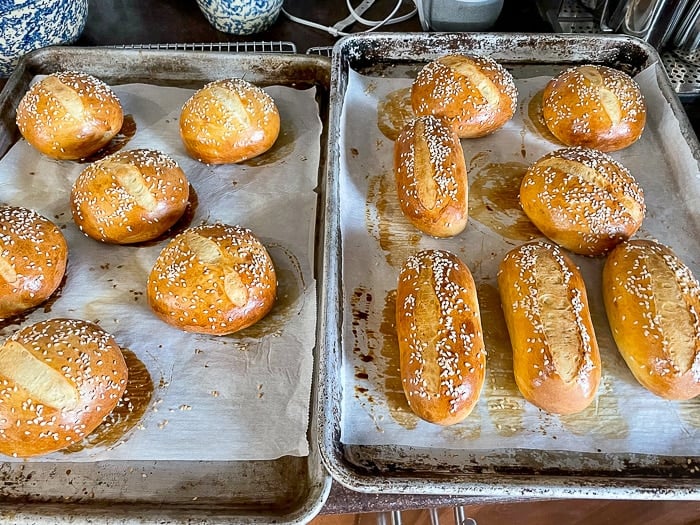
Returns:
(33, 257)
(594, 106)
(556, 361)
(229, 121)
(69, 115)
(582, 199)
(212, 279)
(58, 380)
(129, 196)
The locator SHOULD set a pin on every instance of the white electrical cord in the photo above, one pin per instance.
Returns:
(373, 24)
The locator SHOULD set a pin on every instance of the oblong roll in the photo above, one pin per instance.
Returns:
(431, 177)
(556, 361)
(441, 345)
(652, 301)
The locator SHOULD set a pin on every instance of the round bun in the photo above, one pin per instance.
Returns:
(431, 176)
(33, 256)
(652, 301)
(212, 279)
(582, 199)
(441, 343)
(60, 379)
(556, 360)
(475, 94)
(69, 115)
(229, 121)
(594, 106)
(129, 196)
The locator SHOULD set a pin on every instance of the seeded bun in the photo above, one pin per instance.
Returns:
(69, 115)
(229, 121)
(594, 106)
(59, 379)
(441, 343)
(475, 94)
(33, 257)
(652, 301)
(582, 199)
(556, 360)
(212, 279)
(431, 177)
(129, 196)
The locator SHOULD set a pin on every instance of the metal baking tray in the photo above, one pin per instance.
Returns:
(510, 473)
(286, 490)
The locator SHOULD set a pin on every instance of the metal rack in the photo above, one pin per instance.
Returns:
(226, 47)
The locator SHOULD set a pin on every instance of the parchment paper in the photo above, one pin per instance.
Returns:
(377, 239)
(238, 397)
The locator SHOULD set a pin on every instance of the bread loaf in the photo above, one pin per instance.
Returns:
(441, 345)
(556, 361)
(582, 199)
(652, 301)
(475, 94)
(33, 257)
(58, 380)
(431, 177)
(69, 115)
(212, 279)
(594, 106)
(229, 121)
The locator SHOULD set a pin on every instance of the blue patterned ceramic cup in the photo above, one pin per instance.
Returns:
(26, 25)
(241, 17)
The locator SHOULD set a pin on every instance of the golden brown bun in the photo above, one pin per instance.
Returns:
(441, 345)
(129, 196)
(33, 256)
(431, 177)
(229, 121)
(69, 115)
(594, 106)
(555, 353)
(653, 303)
(213, 279)
(583, 200)
(59, 379)
(475, 94)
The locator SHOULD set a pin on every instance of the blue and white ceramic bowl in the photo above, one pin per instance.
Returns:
(26, 25)
(241, 17)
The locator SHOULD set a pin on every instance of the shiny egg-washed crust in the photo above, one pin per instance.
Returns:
(229, 121)
(475, 94)
(130, 196)
(556, 360)
(431, 177)
(441, 345)
(212, 279)
(59, 379)
(582, 199)
(33, 257)
(69, 115)
(652, 301)
(594, 106)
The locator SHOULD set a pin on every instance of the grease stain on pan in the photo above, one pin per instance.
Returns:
(601, 419)
(394, 112)
(282, 148)
(534, 120)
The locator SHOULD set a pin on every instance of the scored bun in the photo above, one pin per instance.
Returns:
(69, 115)
(556, 360)
(652, 301)
(33, 257)
(129, 196)
(594, 106)
(475, 94)
(60, 379)
(582, 199)
(441, 344)
(229, 121)
(431, 176)
(212, 279)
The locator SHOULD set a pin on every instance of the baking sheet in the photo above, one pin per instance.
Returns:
(382, 447)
